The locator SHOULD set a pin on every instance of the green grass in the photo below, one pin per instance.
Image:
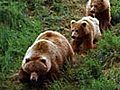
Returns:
(19, 28)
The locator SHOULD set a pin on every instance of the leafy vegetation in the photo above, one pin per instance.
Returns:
(115, 11)
(21, 21)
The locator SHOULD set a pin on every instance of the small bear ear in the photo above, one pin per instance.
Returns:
(27, 60)
(84, 24)
(43, 61)
(73, 21)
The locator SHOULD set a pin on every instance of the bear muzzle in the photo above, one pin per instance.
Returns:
(73, 37)
(34, 77)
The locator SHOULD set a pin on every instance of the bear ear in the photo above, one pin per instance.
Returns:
(102, 0)
(84, 24)
(73, 21)
(27, 60)
(43, 61)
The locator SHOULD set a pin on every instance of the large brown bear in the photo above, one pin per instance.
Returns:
(84, 34)
(45, 57)
(101, 10)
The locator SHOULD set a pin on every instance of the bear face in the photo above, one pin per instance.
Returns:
(98, 6)
(35, 69)
(79, 29)
(36, 63)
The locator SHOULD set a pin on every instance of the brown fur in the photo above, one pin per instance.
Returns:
(45, 57)
(101, 10)
(84, 32)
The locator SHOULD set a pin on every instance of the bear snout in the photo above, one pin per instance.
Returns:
(74, 34)
(34, 77)
(73, 37)
(92, 11)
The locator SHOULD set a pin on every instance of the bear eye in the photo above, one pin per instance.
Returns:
(27, 60)
(95, 6)
(76, 30)
(43, 61)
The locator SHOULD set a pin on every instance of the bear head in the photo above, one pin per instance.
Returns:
(36, 64)
(98, 6)
(79, 28)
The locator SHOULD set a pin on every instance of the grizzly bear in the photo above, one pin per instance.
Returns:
(101, 10)
(84, 34)
(45, 57)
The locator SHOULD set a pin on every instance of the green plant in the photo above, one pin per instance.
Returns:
(115, 11)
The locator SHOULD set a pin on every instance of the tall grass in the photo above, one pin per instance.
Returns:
(17, 33)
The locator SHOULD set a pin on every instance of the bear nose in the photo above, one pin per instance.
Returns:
(92, 11)
(34, 77)
(73, 37)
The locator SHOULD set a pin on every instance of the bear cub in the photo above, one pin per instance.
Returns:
(85, 33)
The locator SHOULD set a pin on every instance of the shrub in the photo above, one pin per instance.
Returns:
(108, 50)
(115, 11)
